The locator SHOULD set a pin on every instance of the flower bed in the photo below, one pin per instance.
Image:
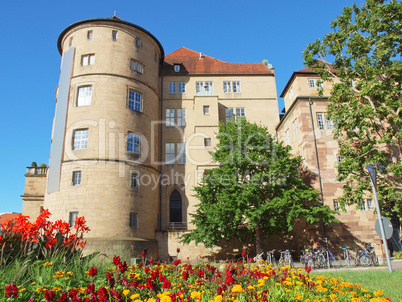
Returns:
(184, 282)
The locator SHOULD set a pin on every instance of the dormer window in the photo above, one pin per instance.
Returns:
(176, 68)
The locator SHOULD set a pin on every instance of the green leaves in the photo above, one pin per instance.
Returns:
(257, 185)
(366, 46)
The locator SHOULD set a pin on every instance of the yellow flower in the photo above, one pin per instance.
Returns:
(332, 296)
(126, 292)
(196, 295)
(237, 289)
(151, 300)
(378, 293)
(218, 298)
(165, 299)
(21, 290)
(133, 297)
(298, 296)
(250, 287)
(288, 291)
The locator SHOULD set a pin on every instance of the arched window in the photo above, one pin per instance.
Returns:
(175, 207)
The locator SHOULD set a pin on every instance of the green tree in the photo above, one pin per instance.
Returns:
(365, 103)
(256, 190)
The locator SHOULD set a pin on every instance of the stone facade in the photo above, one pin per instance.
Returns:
(138, 130)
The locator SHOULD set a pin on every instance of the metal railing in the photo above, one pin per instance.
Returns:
(177, 225)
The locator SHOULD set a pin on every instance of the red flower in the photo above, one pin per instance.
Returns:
(177, 262)
(49, 295)
(244, 254)
(178, 250)
(12, 290)
(142, 254)
(307, 269)
(93, 271)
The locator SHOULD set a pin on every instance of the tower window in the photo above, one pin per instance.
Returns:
(76, 178)
(134, 180)
(72, 218)
(133, 143)
(137, 42)
(90, 34)
(133, 220)
(84, 96)
(88, 59)
(80, 139)
(114, 34)
(135, 101)
(206, 109)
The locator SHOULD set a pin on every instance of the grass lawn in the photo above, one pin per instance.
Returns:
(389, 283)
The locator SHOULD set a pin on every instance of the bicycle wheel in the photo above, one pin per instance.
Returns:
(365, 260)
(310, 263)
(350, 262)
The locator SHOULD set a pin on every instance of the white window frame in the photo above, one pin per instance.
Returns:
(229, 114)
(370, 205)
(323, 122)
(90, 34)
(72, 217)
(209, 86)
(76, 181)
(236, 87)
(133, 143)
(199, 86)
(182, 87)
(363, 206)
(84, 96)
(136, 66)
(337, 207)
(295, 128)
(240, 112)
(176, 68)
(181, 153)
(170, 153)
(134, 100)
(114, 35)
(206, 110)
(88, 59)
(172, 87)
(313, 83)
(181, 117)
(80, 139)
(227, 87)
(169, 117)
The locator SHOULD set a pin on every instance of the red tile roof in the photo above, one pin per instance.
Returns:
(7, 216)
(193, 62)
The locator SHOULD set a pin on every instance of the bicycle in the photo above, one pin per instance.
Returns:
(306, 258)
(271, 257)
(367, 256)
(349, 259)
(259, 257)
(286, 258)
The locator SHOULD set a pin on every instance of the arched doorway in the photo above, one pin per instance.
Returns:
(175, 207)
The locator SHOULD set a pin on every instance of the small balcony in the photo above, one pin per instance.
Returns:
(39, 171)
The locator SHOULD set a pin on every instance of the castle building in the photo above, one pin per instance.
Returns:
(133, 129)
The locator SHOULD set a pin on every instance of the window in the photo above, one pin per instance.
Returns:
(229, 114)
(170, 153)
(338, 158)
(87, 60)
(134, 180)
(206, 109)
(133, 220)
(323, 122)
(295, 128)
(172, 87)
(169, 117)
(207, 141)
(199, 86)
(209, 86)
(370, 205)
(181, 153)
(336, 206)
(72, 217)
(136, 66)
(182, 87)
(227, 87)
(363, 206)
(135, 101)
(114, 34)
(76, 178)
(80, 139)
(176, 68)
(137, 42)
(175, 207)
(133, 143)
(181, 117)
(240, 112)
(236, 87)
(287, 138)
(84, 96)
(313, 83)
(70, 42)
(90, 34)
(291, 93)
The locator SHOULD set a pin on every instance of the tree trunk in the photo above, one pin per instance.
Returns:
(258, 247)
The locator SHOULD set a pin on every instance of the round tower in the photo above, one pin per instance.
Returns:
(103, 162)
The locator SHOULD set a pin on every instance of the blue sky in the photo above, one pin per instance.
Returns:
(231, 31)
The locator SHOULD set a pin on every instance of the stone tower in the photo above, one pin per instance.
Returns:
(105, 133)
